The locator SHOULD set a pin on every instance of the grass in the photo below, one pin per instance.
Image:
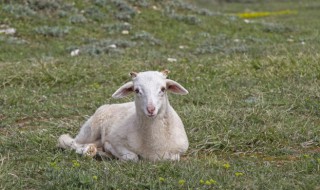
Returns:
(252, 115)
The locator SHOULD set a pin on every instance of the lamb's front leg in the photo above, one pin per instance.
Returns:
(120, 152)
(87, 149)
(90, 149)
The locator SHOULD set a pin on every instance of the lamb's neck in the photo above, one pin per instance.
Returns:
(155, 132)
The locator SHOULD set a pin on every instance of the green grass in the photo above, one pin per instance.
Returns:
(252, 115)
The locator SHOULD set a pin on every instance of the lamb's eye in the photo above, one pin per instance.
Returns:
(137, 91)
(163, 89)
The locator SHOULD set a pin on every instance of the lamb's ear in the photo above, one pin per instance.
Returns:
(176, 88)
(165, 73)
(133, 74)
(124, 90)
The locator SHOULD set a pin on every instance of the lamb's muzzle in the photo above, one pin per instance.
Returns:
(151, 109)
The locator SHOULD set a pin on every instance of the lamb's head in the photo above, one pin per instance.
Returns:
(151, 91)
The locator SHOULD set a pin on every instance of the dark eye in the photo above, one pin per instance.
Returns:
(137, 91)
(163, 89)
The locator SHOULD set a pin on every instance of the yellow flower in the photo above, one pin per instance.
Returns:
(264, 14)
(75, 164)
(306, 156)
(213, 181)
(208, 182)
(54, 165)
(181, 182)
(95, 177)
(161, 179)
(239, 174)
(95, 85)
(226, 166)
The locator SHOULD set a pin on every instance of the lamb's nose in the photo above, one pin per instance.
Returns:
(151, 109)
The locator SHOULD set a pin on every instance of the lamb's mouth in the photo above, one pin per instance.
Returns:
(151, 115)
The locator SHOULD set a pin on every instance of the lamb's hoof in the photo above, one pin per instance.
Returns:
(91, 150)
(104, 155)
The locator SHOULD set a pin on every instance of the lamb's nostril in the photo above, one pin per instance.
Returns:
(151, 109)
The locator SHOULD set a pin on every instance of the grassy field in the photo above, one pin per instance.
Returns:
(252, 115)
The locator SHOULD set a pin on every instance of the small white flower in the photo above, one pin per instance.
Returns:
(247, 21)
(75, 52)
(8, 31)
(182, 47)
(236, 40)
(290, 40)
(303, 43)
(125, 32)
(172, 59)
(112, 46)
(155, 7)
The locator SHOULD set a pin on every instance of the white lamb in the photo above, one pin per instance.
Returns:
(147, 128)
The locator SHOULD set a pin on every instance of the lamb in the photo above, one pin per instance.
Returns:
(148, 128)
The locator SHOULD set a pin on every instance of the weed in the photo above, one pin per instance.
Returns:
(95, 14)
(126, 11)
(54, 31)
(12, 40)
(221, 44)
(19, 11)
(277, 28)
(117, 28)
(78, 19)
(145, 36)
(106, 46)
(44, 5)
(189, 19)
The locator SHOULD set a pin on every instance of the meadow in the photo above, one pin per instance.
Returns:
(252, 70)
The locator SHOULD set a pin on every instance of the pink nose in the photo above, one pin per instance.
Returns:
(151, 109)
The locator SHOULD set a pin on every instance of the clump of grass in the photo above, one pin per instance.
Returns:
(147, 37)
(170, 10)
(12, 40)
(183, 6)
(94, 13)
(19, 11)
(52, 31)
(221, 44)
(65, 10)
(140, 3)
(44, 5)
(189, 19)
(62, 13)
(125, 11)
(117, 27)
(78, 18)
(101, 3)
(276, 28)
(106, 46)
